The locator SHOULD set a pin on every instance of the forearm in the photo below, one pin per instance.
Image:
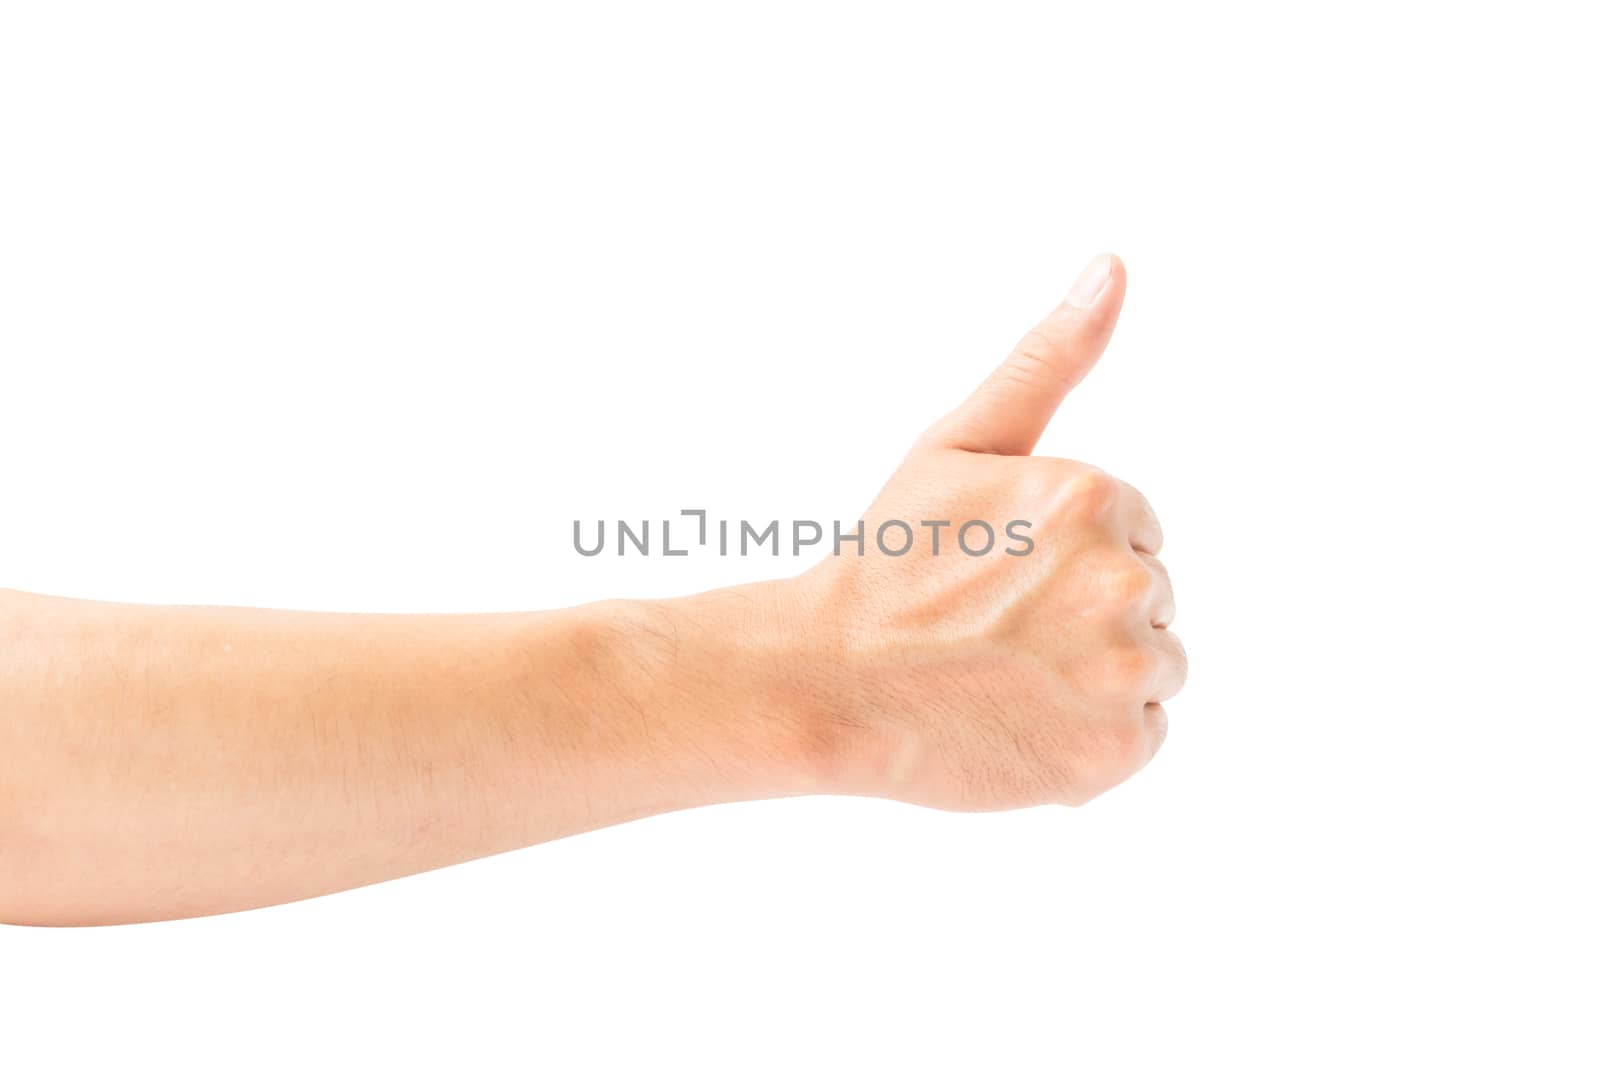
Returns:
(167, 761)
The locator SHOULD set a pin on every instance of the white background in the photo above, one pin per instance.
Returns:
(357, 306)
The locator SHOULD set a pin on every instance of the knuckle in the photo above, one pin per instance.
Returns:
(1130, 583)
(1091, 489)
(1040, 479)
(1031, 364)
(1128, 668)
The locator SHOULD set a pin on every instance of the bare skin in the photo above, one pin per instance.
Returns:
(160, 762)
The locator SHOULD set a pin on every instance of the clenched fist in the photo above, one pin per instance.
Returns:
(1013, 676)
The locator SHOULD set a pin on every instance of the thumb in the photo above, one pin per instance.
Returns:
(1011, 408)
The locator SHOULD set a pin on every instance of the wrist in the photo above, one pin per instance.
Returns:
(729, 689)
(774, 690)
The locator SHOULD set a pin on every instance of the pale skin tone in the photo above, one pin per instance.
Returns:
(160, 762)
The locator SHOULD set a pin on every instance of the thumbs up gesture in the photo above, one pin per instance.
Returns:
(1033, 671)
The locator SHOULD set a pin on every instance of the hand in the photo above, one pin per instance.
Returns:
(1002, 680)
